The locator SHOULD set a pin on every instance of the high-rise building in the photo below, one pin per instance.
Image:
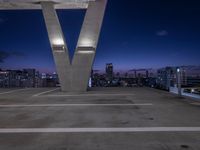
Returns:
(27, 78)
(29, 75)
(109, 71)
(4, 78)
(15, 78)
(166, 77)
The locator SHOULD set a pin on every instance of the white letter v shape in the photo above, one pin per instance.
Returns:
(74, 75)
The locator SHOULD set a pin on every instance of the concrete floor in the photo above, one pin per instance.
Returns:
(102, 119)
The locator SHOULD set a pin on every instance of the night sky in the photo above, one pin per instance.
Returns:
(135, 34)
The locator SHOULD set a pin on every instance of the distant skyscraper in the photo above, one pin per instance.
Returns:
(147, 73)
(109, 71)
(183, 77)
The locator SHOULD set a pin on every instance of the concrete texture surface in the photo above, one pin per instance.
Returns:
(35, 4)
(36, 109)
(74, 74)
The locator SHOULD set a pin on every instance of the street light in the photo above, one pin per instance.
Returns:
(86, 50)
(179, 81)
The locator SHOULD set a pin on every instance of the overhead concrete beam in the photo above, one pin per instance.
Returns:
(35, 4)
(27, 6)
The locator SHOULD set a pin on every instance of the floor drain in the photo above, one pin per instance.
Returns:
(184, 146)
(151, 118)
(125, 122)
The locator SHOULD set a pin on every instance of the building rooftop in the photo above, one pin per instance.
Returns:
(35, 4)
(101, 119)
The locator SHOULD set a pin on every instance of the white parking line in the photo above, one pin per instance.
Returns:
(82, 95)
(45, 92)
(72, 105)
(97, 130)
(12, 91)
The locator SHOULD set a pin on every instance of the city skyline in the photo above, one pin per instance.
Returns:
(153, 35)
(99, 74)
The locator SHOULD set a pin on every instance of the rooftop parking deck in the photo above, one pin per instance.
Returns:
(101, 119)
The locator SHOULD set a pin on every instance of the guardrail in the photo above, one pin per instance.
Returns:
(189, 92)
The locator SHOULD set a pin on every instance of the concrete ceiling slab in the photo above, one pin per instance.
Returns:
(35, 4)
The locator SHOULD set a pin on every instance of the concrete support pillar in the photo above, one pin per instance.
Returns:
(74, 75)
(87, 43)
(58, 45)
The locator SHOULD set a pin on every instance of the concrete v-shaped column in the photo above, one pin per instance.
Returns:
(74, 75)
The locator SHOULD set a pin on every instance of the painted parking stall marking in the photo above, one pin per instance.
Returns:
(96, 130)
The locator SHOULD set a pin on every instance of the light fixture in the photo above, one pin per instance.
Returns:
(86, 50)
(58, 41)
(86, 42)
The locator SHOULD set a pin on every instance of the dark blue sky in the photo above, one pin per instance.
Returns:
(135, 34)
